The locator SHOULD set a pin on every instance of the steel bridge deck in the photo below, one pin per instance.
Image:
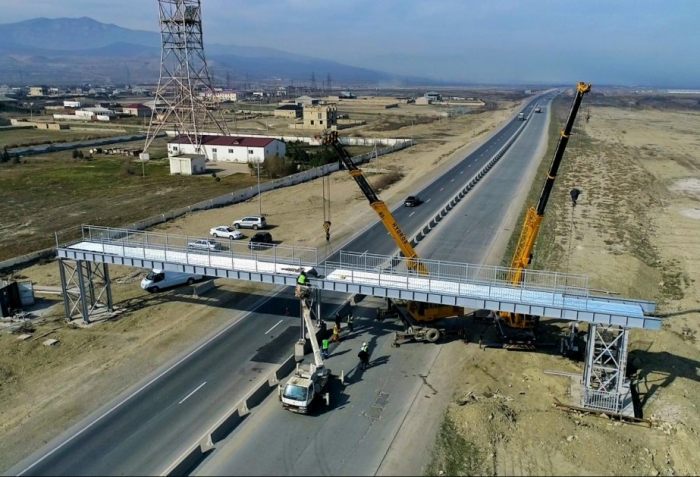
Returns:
(543, 294)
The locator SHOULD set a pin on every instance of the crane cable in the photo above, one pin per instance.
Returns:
(327, 209)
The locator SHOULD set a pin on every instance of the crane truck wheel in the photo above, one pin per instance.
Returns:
(432, 335)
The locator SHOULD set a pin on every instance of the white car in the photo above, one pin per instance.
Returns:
(226, 232)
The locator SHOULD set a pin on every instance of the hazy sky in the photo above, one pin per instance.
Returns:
(648, 42)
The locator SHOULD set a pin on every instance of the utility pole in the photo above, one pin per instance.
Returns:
(313, 81)
(228, 80)
(259, 196)
(329, 82)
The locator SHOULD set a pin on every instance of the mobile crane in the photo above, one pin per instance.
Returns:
(307, 384)
(516, 329)
(424, 321)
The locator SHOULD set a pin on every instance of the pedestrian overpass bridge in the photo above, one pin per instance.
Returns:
(85, 254)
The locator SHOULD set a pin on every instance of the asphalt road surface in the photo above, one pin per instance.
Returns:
(355, 434)
(146, 428)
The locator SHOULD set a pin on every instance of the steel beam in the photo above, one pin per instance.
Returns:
(393, 284)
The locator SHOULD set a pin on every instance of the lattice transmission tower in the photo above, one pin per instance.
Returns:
(184, 100)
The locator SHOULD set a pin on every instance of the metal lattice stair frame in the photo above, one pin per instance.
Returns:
(86, 287)
(605, 387)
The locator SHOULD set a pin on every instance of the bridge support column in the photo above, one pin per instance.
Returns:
(605, 386)
(86, 288)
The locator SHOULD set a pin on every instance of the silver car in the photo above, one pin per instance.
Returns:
(253, 222)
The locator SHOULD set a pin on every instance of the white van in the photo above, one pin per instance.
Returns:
(157, 280)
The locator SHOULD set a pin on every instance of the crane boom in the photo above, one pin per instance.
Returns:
(535, 215)
(525, 324)
(377, 204)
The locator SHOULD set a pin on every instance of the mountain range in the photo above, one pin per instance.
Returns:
(83, 50)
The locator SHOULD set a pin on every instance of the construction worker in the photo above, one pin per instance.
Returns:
(337, 320)
(364, 357)
(351, 323)
(336, 334)
(301, 279)
(324, 347)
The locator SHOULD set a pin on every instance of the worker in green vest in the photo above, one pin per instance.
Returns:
(351, 323)
(324, 347)
(301, 279)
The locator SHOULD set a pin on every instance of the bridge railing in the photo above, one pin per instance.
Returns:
(174, 247)
(494, 280)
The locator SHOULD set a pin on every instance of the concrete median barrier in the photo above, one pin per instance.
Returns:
(200, 289)
(285, 368)
(259, 395)
(225, 426)
(186, 462)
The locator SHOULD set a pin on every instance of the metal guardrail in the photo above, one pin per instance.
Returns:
(173, 247)
(550, 294)
(161, 246)
(570, 285)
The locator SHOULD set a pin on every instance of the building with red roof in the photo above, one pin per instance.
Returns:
(230, 148)
(137, 109)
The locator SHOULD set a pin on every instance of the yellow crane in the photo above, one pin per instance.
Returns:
(516, 328)
(420, 312)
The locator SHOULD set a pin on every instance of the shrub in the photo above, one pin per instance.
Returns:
(384, 181)
(127, 169)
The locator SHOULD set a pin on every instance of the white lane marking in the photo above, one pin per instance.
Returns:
(452, 180)
(118, 405)
(190, 394)
(427, 201)
(411, 214)
(441, 189)
(469, 165)
(481, 155)
(273, 327)
(462, 172)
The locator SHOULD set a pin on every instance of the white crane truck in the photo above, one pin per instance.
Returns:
(307, 384)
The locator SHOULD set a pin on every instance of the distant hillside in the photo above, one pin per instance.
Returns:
(41, 51)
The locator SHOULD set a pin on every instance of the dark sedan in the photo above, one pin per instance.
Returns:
(412, 201)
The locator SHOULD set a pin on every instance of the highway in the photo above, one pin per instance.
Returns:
(147, 427)
(355, 436)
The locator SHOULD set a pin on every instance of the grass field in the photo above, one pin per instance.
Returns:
(31, 137)
(54, 192)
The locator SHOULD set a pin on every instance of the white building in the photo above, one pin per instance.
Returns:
(433, 96)
(306, 101)
(231, 149)
(137, 109)
(96, 114)
(37, 91)
(229, 95)
(188, 164)
(72, 104)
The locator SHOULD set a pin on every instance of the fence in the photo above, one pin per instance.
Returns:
(181, 249)
(388, 267)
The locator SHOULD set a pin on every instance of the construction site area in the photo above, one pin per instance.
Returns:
(504, 288)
